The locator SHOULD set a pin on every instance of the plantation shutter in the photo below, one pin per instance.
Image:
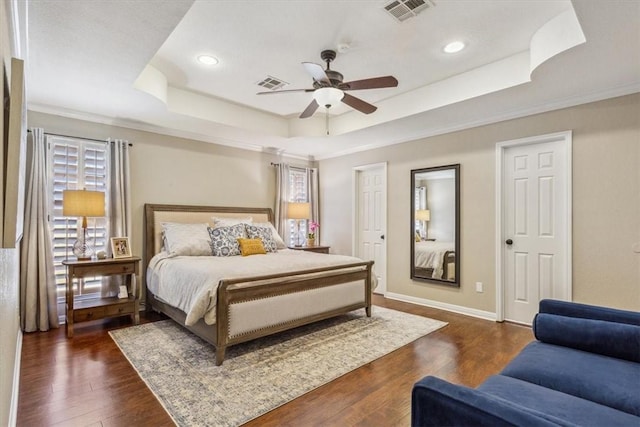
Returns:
(297, 193)
(75, 164)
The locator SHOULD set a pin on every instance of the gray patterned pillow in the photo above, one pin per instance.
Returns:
(264, 234)
(224, 240)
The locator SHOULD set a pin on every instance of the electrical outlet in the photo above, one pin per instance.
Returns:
(479, 287)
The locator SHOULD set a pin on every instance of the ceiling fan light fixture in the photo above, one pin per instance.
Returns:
(328, 96)
(454, 47)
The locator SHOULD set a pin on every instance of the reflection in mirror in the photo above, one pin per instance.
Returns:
(435, 224)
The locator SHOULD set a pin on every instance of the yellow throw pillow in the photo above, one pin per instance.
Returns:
(251, 247)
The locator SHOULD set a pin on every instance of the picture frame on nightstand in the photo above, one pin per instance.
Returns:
(120, 247)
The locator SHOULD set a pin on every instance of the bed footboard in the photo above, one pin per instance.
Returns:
(249, 308)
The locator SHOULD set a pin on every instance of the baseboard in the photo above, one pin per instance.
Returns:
(487, 315)
(13, 409)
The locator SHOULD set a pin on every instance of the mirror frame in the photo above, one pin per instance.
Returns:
(414, 172)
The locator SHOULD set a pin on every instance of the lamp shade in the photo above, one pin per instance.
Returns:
(423, 215)
(298, 210)
(82, 203)
(328, 96)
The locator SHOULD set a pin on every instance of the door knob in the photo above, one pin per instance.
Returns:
(382, 237)
(509, 242)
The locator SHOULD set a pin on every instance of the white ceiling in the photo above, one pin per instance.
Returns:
(133, 63)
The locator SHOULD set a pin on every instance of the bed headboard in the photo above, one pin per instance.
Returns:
(154, 215)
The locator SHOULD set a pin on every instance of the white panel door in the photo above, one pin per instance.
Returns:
(535, 247)
(371, 220)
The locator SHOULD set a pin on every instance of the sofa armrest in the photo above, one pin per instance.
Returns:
(601, 330)
(584, 311)
(619, 340)
(435, 402)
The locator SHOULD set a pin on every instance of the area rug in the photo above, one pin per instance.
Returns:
(263, 374)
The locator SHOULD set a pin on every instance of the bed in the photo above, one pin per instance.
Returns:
(435, 259)
(244, 304)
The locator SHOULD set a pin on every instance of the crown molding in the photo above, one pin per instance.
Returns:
(496, 118)
(110, 121)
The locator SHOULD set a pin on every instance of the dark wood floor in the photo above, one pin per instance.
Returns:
(86, 381)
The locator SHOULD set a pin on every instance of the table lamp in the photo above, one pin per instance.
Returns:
(83, 203)
(298, 211)
(423, 215)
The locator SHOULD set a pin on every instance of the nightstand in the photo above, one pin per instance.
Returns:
(99, 308)
(318, 249)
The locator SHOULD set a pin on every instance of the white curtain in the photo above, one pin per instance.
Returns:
(282, 198)
(422, 197)
(422, 204)
(119, 204)
(38, 302)
(313, 194)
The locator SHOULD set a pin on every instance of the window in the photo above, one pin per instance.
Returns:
(298, 186)
(75, 164)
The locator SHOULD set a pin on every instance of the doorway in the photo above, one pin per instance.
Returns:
(533, 230)
(370, 219)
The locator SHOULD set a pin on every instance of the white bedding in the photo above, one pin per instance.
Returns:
(190, 282)
(431, 254)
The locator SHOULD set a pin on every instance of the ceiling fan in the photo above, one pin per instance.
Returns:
(329, 89)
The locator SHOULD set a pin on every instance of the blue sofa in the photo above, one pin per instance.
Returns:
(583, 370)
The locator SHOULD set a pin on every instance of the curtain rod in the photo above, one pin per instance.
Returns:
(78, 137)
(294, 167)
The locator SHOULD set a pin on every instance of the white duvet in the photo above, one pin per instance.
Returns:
(190, 283)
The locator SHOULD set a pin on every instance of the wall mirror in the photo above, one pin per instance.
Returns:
(435, 224)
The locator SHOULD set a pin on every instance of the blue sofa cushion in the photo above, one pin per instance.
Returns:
(620, 340)
(435, 402)
(601, 379)
(553, 403)
(584, 311)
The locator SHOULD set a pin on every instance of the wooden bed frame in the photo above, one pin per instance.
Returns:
(242, 296)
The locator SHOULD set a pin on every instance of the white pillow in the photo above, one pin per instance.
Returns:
(228, 222)
(274, 233)
(186, 239)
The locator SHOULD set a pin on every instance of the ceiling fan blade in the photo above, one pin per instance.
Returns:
(358, 104)
(311, 108)
(373, 83)
(271, 92)
(317, 72)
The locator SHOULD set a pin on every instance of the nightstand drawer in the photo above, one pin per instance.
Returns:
(85, 314)
(104, 270)
(120, 309)
(128, 268)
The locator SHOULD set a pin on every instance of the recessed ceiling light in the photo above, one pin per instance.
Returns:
(454, 47)
(208, 59)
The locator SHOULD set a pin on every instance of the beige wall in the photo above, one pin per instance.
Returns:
(166, 169)
(606, 161)
(606, 202)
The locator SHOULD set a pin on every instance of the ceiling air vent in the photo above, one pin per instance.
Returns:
(272, 83)
(402, 10)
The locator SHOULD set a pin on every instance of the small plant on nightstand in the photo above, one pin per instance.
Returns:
(311, 236)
